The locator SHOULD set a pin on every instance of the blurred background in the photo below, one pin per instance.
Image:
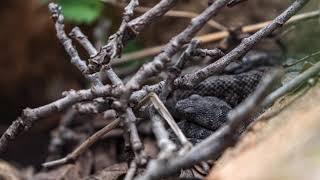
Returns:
(34, 68)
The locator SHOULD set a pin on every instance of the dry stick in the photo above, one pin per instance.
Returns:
(163, 111)
(164, 143)
(84, 146)
(159, 62)
(214, 145)
(209, 38)
(83, 40)
(128, 30)
(312, 71)
(128, 117)
(137, 96)
(189, 80)
(175, 71)
(302, 59)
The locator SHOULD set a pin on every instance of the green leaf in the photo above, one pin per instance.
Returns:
(81, 11)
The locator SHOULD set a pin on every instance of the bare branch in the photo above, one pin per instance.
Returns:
(159, 62)
(67, 43)
(164, 143)
(83, 40)
(175, 71)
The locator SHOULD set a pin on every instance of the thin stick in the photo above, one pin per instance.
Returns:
(312, 71)
(302, 59)
(185, 14)
(84, 146)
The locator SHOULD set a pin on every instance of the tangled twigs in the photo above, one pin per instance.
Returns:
(190, 80)
(159, 62)
(29, 116)
(215, 144)
(175, 71)
(211, 38)
(128, 30)
(84, 146)
(128, 116)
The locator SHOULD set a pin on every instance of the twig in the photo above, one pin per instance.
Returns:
(84, 146)
(312, 71)
(159, 62)
(67, 43)
(214, 145)
(131, 171)
(163, 111)
(164, 143)
(175, 71)
(302, 59)
(93, 107)
(137, 96)
(174, 13)
(83, 40)
(235, 2)
(190, 80)
(209, 38)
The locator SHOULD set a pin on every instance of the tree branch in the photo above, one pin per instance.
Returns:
(190, 80)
